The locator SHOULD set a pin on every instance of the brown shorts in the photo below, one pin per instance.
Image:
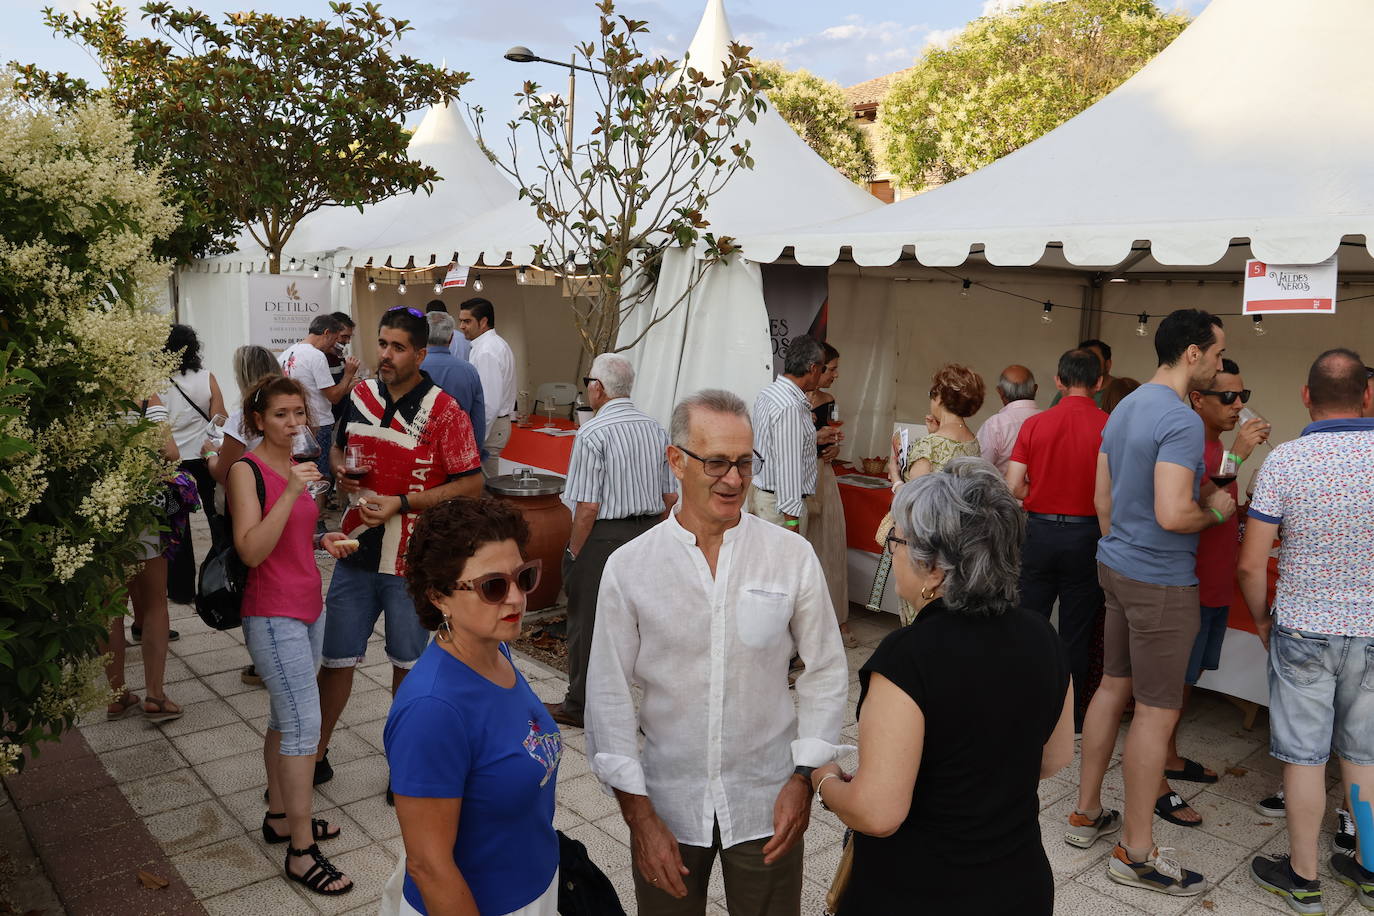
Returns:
(1149, 636)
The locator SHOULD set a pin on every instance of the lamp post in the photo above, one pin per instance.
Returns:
(523, 55)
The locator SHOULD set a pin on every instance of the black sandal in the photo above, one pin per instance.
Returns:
(1170, 803)
(323, 872)
(319, 829)
(1192, 772)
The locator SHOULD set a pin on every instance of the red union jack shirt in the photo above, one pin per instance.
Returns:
(1319, 489)
(420, 442)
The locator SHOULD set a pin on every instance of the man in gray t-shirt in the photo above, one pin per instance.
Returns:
(1147, 505)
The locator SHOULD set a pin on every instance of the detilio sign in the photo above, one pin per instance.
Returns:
(280, 309)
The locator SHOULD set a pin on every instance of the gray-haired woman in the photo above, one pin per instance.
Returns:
(974, 695)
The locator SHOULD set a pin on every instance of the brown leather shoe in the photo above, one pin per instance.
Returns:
(561, 717)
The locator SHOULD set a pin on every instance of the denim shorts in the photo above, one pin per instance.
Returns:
(1207, 647)
(325, 437)
(356, 599)
(1321, 697)
(286, 653)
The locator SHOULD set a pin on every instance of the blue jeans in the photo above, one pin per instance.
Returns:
(357, 597)
(286, 653)
(1207, 647)
(325, 437)
(1321, 697)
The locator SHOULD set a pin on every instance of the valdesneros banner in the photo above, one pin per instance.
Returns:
(281, 307)
(797, 301)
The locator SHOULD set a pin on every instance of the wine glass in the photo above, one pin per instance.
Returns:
(216, 430)
(1226, 470)
(548, 409)
(356, 467)
(304, 447)
(1246, 415)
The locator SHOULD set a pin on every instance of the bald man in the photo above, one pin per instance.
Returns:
(1016, 387)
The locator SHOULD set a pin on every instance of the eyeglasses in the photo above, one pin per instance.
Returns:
(494, 587)
(893, 542)
(416, 312)
(719, 467)
(1229, 397)
(587, 381)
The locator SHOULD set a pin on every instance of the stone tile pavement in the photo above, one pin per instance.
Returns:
(196, 784)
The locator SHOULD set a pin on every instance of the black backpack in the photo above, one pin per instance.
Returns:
(223, 576)
(583, 889)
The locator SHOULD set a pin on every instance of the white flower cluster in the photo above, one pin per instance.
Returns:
(9, 753)
(68, 559)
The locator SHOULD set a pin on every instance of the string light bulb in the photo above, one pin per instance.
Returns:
(371, 285)
(291, 265)
(1045, 315)
(477, 283)
(343, 281)
(1259, 325)
(315, 271)
(401, 287)
(438, 287)
(964, 292)
(520, 276)
(1140, 329)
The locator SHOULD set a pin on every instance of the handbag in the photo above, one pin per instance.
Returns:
(840, 883)
(223, 576)
(583, 889)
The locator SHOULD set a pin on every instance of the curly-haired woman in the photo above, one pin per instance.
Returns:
(473, 752)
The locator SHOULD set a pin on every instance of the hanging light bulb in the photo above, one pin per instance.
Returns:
(371, 285)
(438, 288)
(315, 271)
(520, 276)
(1045, 313)
(1259, 325)
(342, 280)
(964, 292)
(291, 265)
(1140, 329)
(401, 287)
(477, 283)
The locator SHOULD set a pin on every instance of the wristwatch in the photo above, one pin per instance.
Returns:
(804, 773)
(405, 503)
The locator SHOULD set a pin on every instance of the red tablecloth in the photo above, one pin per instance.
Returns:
(1239, 618)
(863, 510)
(529, 447)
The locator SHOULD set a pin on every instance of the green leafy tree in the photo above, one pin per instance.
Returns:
(259, 119)
(1008, 79)
(82, 348)
(816, 109)
(661, 146)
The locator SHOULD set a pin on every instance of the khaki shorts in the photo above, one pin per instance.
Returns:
(1149, 636)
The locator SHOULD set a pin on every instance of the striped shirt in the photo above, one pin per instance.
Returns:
(620, 461)
(786, 438)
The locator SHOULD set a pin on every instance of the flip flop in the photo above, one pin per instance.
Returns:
(1170, 803)
(1192, 772)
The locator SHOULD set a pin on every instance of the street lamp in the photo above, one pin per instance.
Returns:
(523, 55)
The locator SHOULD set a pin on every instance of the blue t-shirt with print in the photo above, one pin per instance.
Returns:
(1151, 425)
(454, 734)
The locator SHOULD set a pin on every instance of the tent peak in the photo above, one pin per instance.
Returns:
(710, 45)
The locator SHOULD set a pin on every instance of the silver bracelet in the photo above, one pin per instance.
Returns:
(821, 783)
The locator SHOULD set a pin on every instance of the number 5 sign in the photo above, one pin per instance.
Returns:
(1290, 288)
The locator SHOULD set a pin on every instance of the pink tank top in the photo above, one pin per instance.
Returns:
(287, 583)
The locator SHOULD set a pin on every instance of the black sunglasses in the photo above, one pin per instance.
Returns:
(587, 381)
(719, 467)
(1229, 397)
(494, 587)
(893, 542)
(416, 312)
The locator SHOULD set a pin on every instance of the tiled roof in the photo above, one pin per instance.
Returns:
(871, 92)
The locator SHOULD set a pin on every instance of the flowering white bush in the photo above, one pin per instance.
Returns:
(82, 348)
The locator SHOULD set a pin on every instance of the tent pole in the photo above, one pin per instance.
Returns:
(1090, 318)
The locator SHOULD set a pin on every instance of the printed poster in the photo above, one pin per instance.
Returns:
(281, 307)
(1288, 289)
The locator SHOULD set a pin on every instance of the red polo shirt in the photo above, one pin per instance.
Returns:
(1059, 449)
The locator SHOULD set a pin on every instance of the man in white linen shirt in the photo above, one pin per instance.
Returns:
(785, 436)
(495, 364)
(703, 612)
(997, 436)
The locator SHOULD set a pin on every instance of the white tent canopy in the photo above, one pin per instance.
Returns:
(1254, 124)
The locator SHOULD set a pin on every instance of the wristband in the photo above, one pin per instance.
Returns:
(1221, 519)
(405, 503)
(210, 455)
(1236, 458)
(792, 522)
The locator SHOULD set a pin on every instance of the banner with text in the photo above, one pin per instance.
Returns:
(1279, 289)
(797, 299)
(281, 307)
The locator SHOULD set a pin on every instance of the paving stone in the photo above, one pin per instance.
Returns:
(275, 896)
(584, 795)
(228, 775)
(224, 866)
(44, 784)
(206, 641)
(230, 683)
(192, 826)
(214, 743)
(250, 704)
(375, 816)
(142, 760)
(165, 791)
(216, 660)
(357, 780)
(366, 705)
(200, 716)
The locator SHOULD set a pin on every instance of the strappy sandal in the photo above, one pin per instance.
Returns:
(322, 873)
(1192, 772)
(161, 711)
(1167, 807)
(127, 705)
(319, 829)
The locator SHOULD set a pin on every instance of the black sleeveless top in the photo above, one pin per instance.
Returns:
(821, 416)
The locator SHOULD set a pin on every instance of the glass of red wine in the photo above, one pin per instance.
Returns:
(355, 467)
(304, 447)
(1224, 473)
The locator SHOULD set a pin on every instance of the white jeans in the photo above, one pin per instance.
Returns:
(498, 434)
(394, 902)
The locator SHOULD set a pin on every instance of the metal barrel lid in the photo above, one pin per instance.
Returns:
(525, 482)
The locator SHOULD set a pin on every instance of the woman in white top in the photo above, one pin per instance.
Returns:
(192, 397)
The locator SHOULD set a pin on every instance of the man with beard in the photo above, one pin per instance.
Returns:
(1147, 501)
(419, 449)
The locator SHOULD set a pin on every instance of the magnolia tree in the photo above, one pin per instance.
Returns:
(83, 348)
(816, 109)
(258, 120)
(662, 143)
(1007, 79)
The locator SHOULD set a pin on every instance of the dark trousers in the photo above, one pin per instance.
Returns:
(1059, 561)
(751, 888)
(582, 582)
(181, 566)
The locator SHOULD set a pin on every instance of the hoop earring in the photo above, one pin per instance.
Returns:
(447, 634)
(928, 594)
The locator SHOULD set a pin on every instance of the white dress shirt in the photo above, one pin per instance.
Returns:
(620, 461)
(997, 436)
(785, 437)
(495, 364)
(721, 734)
